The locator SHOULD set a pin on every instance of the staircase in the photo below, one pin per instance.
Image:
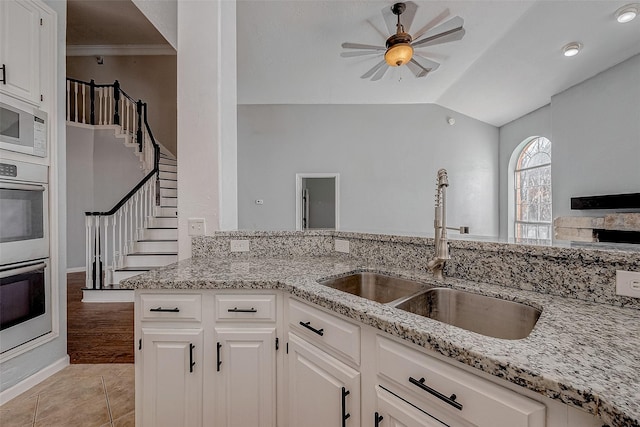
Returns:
(141, 231)
(158, 242)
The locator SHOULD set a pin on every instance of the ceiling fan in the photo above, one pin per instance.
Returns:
(400, 47)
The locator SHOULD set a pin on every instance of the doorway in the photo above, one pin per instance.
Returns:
(317, 201)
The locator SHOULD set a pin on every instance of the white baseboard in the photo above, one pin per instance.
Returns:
(33, 380)
(76, 270)
(107, 295)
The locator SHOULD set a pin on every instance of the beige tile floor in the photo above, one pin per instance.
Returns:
(79, 395)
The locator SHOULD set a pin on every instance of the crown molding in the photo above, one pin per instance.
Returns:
(120, 50)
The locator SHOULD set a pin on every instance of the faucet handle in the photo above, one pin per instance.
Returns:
(463, 229)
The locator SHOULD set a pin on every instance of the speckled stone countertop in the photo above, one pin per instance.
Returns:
(584, 354)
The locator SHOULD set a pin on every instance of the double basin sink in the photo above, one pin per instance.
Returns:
(485, 315)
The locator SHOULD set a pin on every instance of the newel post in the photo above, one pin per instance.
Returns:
(92, 97)
(116, 100)
(139, 131)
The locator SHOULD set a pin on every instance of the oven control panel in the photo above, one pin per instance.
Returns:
(7, 169)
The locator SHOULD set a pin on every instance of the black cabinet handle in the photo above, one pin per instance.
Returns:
(451, 400)
(311, 328)
(191, 362)
(4, 74)
(242, 310)
(345, 393)
(218, 361)
(377, 419)
(166, 310)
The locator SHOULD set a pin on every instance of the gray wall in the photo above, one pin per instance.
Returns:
(100, 171)
(596, 137)
(387, 157)
(149, 78)
(594, 128)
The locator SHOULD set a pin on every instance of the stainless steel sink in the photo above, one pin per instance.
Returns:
(485, 315)
(376, 287)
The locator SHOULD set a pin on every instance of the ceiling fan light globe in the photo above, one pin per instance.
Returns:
(398, 54)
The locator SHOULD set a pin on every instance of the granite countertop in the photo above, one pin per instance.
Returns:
(584, 354)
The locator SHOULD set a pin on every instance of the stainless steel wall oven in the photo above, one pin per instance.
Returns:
(25, 289)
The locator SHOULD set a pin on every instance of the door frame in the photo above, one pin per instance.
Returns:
(299, 178)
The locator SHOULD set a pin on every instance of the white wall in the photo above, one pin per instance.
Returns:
(206, 117)
(100, 171)
(20, 368)
(387, 157)
(594, 128)
(163, 15)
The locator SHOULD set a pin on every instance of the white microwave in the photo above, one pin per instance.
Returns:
(23, 129)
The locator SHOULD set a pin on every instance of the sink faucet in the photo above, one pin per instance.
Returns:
(436, 264)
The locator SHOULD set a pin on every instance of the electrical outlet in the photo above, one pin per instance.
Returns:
(239, 246)
(196, 226)
(628, 283)
(342, 246)
(259, 202)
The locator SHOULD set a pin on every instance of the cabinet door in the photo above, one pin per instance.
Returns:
(323, 392)
(20, 49)
(395, 412)
(172, 377)
(246, 377)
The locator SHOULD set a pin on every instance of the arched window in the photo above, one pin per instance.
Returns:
(532, 183)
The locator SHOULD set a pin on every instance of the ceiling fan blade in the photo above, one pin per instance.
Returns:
(452, 37)
(429, 25)
(452, 27)
(373, 70)
(426, 62)
(361, 53)
(380, 73)
(362, 46)
(415, 69)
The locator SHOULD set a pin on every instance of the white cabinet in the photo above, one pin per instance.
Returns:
(322, 390)
(171, 377)
(246, 377)
(20, 33)
(395, 412)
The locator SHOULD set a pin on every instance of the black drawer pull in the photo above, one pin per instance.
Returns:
(345, 415)
(191, 362)
(242, 310)
(377, 419)
(4, 74)
(451, 400)
(311, 328)
(219, 362)
(166, 310)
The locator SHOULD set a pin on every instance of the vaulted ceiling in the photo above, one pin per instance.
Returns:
(508, 64)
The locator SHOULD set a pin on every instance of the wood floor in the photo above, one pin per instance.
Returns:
(97, 332)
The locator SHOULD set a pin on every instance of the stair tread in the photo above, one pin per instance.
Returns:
(151, 253)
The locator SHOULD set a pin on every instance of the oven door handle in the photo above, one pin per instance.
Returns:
(28, 187)
(22, 270)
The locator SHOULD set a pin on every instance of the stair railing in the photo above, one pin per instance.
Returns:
(111, 235)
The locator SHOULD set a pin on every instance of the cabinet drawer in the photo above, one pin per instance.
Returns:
(433, 383)
(180, 307)
(246, 307)
(326, 329)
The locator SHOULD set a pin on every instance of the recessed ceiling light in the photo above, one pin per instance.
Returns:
(572, 49)
(627, 13)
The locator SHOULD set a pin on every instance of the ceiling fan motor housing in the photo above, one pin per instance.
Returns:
(399, 50)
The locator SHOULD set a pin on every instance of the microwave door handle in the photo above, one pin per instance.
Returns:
(22, 270)
(27, 187)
